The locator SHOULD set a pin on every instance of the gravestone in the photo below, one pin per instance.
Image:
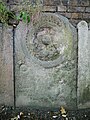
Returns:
(45, 69)
(6, 66)
(83, 65)
(1, 93)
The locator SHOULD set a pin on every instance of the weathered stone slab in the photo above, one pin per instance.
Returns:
(1, 82)
(46, 63)
(6, 66)
(83, 65)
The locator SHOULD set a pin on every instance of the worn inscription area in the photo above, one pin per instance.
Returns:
(46, 40)
(46, 63)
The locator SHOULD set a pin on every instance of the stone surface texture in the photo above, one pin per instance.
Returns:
(6, 66)
(46, 63)
(83, 65)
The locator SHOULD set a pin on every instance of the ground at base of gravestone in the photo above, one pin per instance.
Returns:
(8, 113)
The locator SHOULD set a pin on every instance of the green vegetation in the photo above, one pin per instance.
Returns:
(5, 14)
(25, 13)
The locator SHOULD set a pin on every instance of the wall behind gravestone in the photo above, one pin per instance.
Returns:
(74, 10)
(6, 66)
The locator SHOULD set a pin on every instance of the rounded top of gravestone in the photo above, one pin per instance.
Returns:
(48, 39)
(82, 24)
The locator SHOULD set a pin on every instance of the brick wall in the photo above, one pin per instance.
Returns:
(74, 10)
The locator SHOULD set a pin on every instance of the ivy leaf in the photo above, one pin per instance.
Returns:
(24, 16)
(28, 18)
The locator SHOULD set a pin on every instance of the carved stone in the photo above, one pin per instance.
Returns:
(46, 63)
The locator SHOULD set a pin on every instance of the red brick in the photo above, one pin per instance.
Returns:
(76, 9)
(73, 3)
(48, 2)
(76, 2)
(83, 2)
(70, 2)
(67, 15)
(86, 15)
(52, 2)
(76, 15)
(87, 9)
(62, 8)
(49, 8)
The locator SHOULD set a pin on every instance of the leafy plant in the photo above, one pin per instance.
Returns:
(26, 13)
(29, 11)
(24, 16)
(3, 12)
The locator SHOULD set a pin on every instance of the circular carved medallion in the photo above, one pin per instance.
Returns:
(46, 41)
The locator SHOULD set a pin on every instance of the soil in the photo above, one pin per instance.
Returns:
(8, 113)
